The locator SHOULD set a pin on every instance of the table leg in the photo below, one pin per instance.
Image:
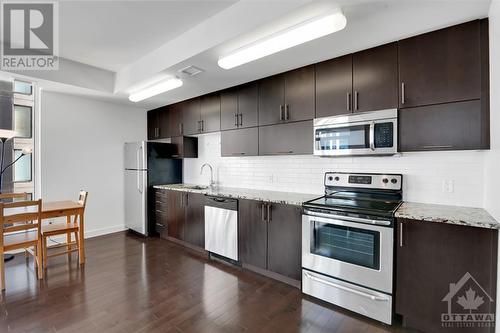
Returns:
(81, 248)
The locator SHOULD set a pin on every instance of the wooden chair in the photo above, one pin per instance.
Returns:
(60, 228)
(23, 196)
(24, 219)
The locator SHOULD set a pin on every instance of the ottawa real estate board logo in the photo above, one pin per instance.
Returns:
(29, 35)
(468, 305)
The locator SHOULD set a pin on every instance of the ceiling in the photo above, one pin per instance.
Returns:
(132, 43)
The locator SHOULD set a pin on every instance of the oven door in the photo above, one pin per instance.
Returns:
(355, 252)
(377, 137)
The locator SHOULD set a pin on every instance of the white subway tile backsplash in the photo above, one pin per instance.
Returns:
(423, 172)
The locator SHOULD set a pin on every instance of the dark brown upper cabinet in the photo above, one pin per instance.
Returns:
(239, 107)
(441, 66)
(186, 146)
(175, 121)
(287, 97)
(334, 87)
(375, 78)
(240, 142)
(191, 116)
(210, 113)
(158, 123)
(286, 139)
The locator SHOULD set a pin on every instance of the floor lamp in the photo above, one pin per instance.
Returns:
(6, 135)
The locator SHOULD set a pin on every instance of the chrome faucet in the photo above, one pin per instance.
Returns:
(212, 183)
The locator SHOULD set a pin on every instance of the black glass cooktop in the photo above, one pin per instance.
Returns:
(357, 201)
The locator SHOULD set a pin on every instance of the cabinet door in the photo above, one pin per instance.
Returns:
(375, 78)
(299, 94)
(240, 142)
(210, 113)
(175, 121)
(153, 125)
(441, 66)
(334, 87)
(286, 139)
(164, 122)
(229, 109)
(252, 233)
(248, 105)
(272, 100)
(160, 213)
(433, 256)
(284, 242)
(451, 126)
(194, 230)
(175, 214)
(191, 116)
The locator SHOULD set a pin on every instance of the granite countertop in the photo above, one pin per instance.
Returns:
(467, 216)
(289, 198)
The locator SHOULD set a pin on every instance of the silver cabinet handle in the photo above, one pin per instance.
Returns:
(242, 153)
(401, 234)
(403, 99)
(281, 113)
(263, 212)
(241, 119)
(338, 286)
(348, 101)
(269, 217)
(182, 199)
(372, 136)
(356, 102)
(202, 125)
(186, 202)
(180, 128)
(436, 146)
(347, 218)
(236, 119)
(287, 112)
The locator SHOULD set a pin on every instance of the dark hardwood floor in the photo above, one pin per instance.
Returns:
(130, 284)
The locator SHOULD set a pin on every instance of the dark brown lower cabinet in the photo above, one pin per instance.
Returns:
(452, 126)
(270, 237)
(194, 225)
(442, 269)
(160, 213)
(286, 139)
(176, 214)
(252, 233)
(284, 232)
(240, 142)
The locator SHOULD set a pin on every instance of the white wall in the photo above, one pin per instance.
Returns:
(82, 148)
(424, 172)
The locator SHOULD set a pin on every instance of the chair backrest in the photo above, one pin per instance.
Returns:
(22, 195)
(82, 198)
(19, 216)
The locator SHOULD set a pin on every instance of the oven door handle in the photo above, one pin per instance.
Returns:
(372, 136)
(348, 218)
(354, 291)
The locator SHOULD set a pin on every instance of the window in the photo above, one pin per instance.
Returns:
(21, 87)
(22, 168)
(23, 121)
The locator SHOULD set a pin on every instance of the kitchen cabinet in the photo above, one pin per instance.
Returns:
(191, 116)
(287, 97)
(239, 107)
(270, 237)
(441, 66)
(210, 113)
(240, 142)
(449, 126)
(334, 87)
(375, 78)
(286, 139)
(434, 257)
(284, 239)
(160, 213)
(175, 120)
(158, 123)
(194, 225)
(186, 146)
(176, 214)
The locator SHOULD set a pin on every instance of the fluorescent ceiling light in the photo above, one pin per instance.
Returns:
(156, 89)
(282, 40)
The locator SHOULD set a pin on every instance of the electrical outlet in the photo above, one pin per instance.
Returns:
(448, 186)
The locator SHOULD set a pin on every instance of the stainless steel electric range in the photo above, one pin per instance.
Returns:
(348, 242)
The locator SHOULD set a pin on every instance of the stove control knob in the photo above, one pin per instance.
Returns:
(394, 180)
(330, 178)
(337, 179)
(385, 180)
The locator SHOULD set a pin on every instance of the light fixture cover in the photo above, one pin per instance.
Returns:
(282, 40)
(156, 89)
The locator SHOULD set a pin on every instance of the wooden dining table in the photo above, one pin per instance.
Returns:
(65, 208)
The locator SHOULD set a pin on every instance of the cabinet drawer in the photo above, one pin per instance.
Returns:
(452, 126)
(286, 139)
(240, 142)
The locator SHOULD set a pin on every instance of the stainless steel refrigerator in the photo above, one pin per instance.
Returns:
(147, 164)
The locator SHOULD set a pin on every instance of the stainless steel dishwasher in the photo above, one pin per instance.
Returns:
(221, 226)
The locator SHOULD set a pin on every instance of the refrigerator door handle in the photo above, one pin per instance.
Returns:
(139, 185)
(140, 152)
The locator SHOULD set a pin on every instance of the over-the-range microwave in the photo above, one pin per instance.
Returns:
(366, 133)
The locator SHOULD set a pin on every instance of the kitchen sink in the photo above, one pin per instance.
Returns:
(195, 187)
